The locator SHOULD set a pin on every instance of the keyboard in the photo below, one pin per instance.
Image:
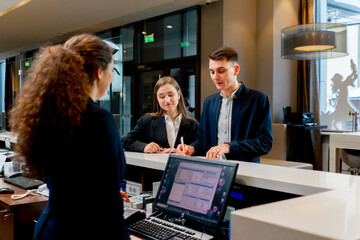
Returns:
(154, 228)
(23, 182)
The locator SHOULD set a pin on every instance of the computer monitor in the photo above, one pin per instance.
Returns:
(196, 189)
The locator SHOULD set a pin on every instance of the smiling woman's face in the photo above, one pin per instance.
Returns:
(168, 98)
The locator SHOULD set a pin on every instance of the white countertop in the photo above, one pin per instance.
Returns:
(328, 215)
(328, 209)
(284, 179)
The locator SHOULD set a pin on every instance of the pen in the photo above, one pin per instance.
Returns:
(182, 144)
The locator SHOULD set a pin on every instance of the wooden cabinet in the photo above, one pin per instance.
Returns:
(18, 217)
(6, 224)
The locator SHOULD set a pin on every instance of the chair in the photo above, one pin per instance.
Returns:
(352, 158)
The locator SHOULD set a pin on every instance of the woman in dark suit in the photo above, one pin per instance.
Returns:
(162, 129)
(69, 141)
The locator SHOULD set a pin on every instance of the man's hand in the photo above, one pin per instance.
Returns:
(216, 151)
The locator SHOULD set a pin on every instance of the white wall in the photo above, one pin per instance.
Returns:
(253, 28)
(265, 53)
(276, 76)
(211, 39)
(239, 26)
(285, 71)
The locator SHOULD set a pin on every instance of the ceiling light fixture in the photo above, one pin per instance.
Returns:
(314, 41)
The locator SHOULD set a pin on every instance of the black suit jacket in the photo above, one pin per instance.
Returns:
(84, 175)
(152, 129)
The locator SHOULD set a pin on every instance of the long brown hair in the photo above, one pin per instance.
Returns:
(181, 107)
(55, 95)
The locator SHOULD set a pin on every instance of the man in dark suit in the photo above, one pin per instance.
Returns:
(236, 122)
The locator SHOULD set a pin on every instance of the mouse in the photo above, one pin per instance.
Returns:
(6, 191)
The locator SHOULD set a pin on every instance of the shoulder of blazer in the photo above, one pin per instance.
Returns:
(248, 92)
(146, 118)
(157, 120)
(212, 97)
(186, 122)
(212, 100)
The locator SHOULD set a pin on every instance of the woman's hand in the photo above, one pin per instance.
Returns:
(152, 148)
(168, 150)
(186, 151)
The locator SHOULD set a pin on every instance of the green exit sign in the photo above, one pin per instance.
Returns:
(149, 38)
(185, 44)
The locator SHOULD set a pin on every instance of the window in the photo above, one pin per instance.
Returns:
(339, 77)
(163, 45)
(168, 37)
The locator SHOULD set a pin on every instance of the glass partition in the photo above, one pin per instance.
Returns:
(117, 99)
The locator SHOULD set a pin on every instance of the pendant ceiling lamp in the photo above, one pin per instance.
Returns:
(314, 41)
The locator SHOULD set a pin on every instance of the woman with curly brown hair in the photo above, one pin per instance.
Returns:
(71, 143)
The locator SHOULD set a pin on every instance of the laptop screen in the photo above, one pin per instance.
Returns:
(197, 188)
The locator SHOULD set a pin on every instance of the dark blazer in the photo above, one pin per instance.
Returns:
(152, 129)
(84, 175)
(251, 129)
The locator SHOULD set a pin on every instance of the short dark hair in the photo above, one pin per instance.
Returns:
(224, 52)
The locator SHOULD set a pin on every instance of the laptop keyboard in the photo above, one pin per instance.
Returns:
(23, 182)
(154, 228)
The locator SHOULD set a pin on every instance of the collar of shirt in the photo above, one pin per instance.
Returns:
(172, 128)
(225, 117)
(233, 93)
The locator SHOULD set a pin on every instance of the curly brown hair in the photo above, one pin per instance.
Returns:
(55, 95)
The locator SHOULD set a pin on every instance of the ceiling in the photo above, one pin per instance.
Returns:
(32, 23)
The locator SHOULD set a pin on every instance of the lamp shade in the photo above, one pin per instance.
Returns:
(314, 41)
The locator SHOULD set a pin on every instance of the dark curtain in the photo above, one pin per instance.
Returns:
(308, 92)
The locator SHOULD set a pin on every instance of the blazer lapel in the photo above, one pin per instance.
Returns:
(160, 131)
(185, 124)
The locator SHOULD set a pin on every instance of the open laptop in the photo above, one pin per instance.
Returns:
(193, 192)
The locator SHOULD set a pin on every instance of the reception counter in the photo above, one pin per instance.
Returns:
(329, 206)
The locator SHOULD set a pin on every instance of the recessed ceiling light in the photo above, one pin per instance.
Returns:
(169, 26)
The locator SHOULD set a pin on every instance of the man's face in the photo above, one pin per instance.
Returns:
(223, 73)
